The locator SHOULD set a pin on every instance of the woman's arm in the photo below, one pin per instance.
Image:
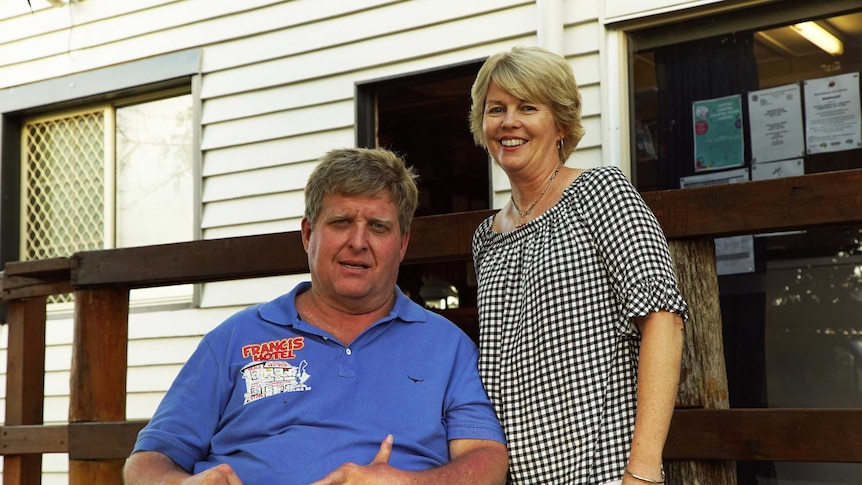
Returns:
(658, 382)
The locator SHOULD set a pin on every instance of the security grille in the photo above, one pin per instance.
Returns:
(63, 185)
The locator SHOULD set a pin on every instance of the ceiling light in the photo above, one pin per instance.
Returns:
(820, 37)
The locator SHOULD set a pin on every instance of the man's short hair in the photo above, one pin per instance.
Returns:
(364, 172)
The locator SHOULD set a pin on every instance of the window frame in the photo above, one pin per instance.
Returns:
(747, 291)
(674, 28)
(120, 85)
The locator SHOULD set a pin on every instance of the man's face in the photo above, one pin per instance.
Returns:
(354, 250)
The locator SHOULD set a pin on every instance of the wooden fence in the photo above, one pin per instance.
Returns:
(703, 432)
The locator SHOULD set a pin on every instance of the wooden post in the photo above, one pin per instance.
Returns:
(25, 369)
(98, 375)
(703, 381)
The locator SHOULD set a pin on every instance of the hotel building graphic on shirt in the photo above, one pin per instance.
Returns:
(263, 379)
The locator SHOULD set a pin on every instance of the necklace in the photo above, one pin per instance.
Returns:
(522, 215)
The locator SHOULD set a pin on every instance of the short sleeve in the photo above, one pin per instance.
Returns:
(630, 243)
(468, 412)
(185, 422)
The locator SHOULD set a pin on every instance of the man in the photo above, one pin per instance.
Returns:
(342, 380)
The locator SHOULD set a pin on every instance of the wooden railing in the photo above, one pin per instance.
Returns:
(98, 437)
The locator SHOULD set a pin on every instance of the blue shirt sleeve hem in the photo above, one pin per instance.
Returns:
(473, 433)
(171, 450)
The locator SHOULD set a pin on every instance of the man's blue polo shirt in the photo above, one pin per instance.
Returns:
(284, 402)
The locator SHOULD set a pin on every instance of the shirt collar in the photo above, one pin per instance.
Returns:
(282, 310)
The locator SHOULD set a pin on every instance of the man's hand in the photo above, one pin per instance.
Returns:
(152, 467)
(376, 472)
(219, 475)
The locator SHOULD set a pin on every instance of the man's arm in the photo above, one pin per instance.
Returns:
(658, 382)
(473, 462)
(154, 468)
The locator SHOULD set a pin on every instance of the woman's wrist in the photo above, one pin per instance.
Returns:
(644, 478)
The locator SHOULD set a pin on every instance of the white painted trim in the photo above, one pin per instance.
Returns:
(615, 101)
(651, 16)
(640, 9)
(101, 81)
(550, 25)
(109, 237)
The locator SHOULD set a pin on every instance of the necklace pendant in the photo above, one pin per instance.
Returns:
(522, 215)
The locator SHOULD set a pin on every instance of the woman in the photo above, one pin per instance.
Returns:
(580, 314)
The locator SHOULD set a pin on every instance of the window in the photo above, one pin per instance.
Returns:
(102, 159)
(68, 172)
(675, 70)
(63, 185)
(107, 176)
(790, 302)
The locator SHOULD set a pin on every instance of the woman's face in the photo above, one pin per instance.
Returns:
(519, 132)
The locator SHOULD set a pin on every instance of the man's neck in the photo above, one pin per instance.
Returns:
(340, 321)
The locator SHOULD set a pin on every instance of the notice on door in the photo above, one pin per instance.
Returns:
(718, 133)
(833, 120)
(775, 115)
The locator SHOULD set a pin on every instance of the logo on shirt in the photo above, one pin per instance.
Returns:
(264, 379)
(274, 350)
(269, 373)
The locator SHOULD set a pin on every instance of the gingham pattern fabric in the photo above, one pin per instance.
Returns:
(558, 349)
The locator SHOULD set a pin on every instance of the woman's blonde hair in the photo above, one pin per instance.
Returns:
(532, 74)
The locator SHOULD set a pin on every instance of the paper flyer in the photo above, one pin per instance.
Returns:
(775, 116)
(778, 169)
(832, 114)
(718, 133)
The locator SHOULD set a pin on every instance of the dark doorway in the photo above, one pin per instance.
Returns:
(423, 116)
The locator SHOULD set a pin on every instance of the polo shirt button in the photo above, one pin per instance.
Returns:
(348, 352)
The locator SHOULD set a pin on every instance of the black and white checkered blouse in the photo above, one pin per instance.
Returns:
(558, 349)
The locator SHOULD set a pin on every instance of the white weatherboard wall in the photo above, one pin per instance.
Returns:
(277, 91)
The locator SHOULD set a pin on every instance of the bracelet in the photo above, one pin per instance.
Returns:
(644, 479)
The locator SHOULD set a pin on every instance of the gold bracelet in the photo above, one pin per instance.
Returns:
(644, 479)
